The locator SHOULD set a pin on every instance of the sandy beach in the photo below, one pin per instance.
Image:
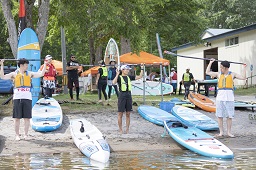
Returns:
(143, 135)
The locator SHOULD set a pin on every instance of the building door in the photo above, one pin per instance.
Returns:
(211, 53)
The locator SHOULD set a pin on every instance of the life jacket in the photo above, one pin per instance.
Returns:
(124, 84)
(104, 72)
(22, 80)
(174, 77)
(186, 77)
(225, 82)
(50, 75)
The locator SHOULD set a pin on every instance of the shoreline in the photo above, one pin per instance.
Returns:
(142, 136)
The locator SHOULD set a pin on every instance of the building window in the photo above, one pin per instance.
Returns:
(231, 41)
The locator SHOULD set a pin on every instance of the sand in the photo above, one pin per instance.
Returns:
(143, 135)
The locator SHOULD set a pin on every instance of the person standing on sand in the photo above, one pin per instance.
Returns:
(125, 96)
(225, 96)
(22, 97)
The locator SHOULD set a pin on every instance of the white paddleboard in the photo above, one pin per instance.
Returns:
(46, 115)
(89, 140)
(152, 88)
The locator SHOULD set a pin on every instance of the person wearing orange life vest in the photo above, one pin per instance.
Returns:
(125, 96)
(22, 97)
(225, 95)
(173, 80)
(187, 79)
(49, 79)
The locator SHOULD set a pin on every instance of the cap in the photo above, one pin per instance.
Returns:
(112, 60)
(125, 67)
(172, 69)
(48, 57)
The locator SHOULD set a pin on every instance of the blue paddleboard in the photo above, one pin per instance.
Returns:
(194, 118)
(155, 115)
(197, 140)
(28, 48)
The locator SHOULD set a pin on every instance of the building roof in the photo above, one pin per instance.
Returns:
(214, 34)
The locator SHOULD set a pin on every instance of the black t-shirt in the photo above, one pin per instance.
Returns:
(72, 73)
(125, 80)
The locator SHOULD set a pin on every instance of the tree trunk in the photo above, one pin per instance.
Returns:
(12, 29)
(125, 46)
(42, 24)
(92, 53)
(98, 56)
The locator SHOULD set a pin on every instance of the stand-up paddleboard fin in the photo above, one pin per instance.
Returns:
(163, 134)
(82, 127)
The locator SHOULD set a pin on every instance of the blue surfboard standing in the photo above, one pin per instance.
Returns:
(28, 48)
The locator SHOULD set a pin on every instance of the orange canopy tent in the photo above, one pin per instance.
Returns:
(143, 57)
(92, 71)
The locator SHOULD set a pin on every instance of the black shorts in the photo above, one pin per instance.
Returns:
(72, 81)
(22, 108)
(124, 102)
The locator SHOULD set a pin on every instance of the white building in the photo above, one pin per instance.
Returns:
(237, 45)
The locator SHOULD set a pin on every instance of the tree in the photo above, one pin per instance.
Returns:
(40, 27)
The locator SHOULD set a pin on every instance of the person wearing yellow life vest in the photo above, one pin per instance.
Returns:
(125, 96)
(187, 79)
(101, 81)
(225, 96)
(22, 97)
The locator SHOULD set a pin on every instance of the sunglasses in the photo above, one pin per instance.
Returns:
(73, 57)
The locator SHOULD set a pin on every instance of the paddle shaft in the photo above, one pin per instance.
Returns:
(171, 53)
(13, 59)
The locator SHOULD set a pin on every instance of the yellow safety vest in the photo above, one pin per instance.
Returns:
(186, 77)
(225, 82)
(22, 80)
(124, 84)
(105, 72)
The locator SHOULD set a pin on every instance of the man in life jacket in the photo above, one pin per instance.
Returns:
(101, 81)
(111, 76)
(187, 79)
(225, 95)
(173, 80)
(22, 97)
(125, 96)
(49, 78)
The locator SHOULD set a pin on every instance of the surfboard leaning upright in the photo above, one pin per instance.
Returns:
(112, 52)
(28, 48)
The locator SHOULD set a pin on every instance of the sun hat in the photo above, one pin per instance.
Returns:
(172, 69)
(112, 60)
(125, 67)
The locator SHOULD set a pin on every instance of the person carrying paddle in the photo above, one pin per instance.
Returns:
(22, 97)
(225, 96)
(125, 96)
(111, 76)
(101, 81)
(187, 78)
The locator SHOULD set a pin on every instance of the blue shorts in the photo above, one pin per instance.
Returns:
(225, 109)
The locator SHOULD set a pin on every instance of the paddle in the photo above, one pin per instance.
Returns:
(177, 55)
